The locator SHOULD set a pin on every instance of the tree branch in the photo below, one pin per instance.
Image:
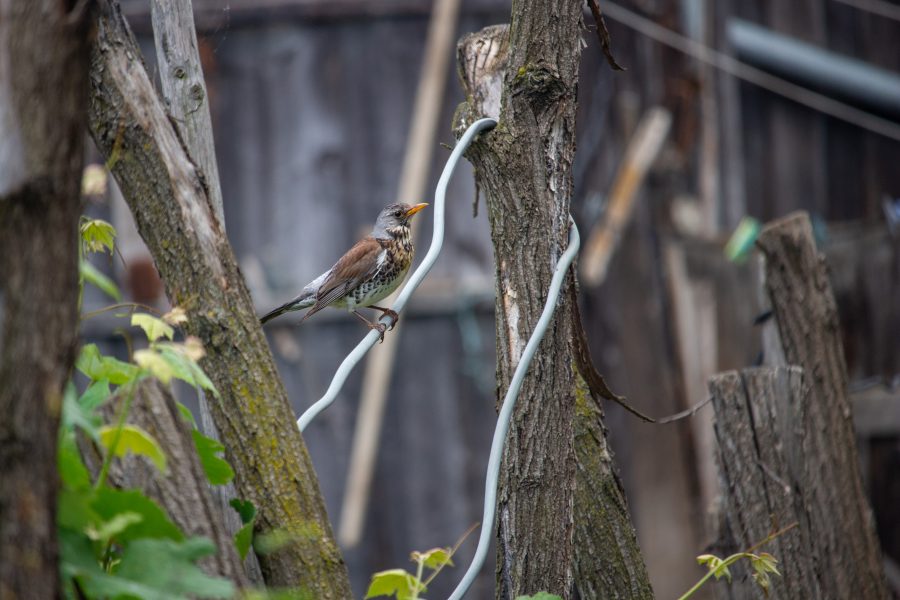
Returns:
(175, 219)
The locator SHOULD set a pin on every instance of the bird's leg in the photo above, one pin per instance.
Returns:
(389, 313)
(379, 327)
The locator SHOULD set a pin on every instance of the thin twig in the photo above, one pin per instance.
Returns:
(603, 35)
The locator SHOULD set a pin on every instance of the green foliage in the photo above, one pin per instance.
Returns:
(403, 585)
(540, 596)
(762, 564)
(243, 539)
(119, 543)
(105, 369)
(153, 327)
(395, 582)
(217, 470)
(97, 235)
(131, 438)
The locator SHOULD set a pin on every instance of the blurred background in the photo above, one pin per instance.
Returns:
(768, 106)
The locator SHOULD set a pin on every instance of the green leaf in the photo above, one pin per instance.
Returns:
(72, 471)
(74, 509)
(92, 275)
(722, 571)
(76, 415)
(709, 559)
(108, 530)
(243, 540)
(98, 367)
(186, 413)
(540, 596)
(133, 439)
(95, 395)
(217, 470)
(434, 558)
(765, 563)
(244, 508)
(109, 502)
(97, 235)
(150, 569)
(153, 327)
(184, 367)
(393, 582)
(174, 574)
(153, 362)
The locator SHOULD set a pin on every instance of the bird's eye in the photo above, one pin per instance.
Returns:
(397, 213)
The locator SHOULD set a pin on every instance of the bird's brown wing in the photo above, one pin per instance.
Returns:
(357, 265)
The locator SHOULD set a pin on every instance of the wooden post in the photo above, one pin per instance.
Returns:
(840, 522)
(765, 477)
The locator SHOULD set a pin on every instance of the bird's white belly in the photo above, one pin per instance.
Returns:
(371, 292)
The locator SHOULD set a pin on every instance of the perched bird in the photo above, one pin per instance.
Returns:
(366, 274)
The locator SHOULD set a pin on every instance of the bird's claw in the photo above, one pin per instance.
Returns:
(393, 316)
(380, 328)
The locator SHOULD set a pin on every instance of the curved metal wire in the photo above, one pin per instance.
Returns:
(437, 241)
(505, 416)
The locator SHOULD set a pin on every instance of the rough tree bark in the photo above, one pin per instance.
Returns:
(43, 76)
(175, 218)
(806, 315)
(526, 75)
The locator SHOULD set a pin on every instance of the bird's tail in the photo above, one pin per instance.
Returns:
(297, 303)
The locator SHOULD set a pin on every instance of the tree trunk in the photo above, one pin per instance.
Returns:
(176, 220)
(809, 333)
(526, 75)
(43, 76)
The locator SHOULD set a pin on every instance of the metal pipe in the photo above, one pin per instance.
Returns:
(835, 74)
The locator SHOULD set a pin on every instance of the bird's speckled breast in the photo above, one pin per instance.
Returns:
(391, 272)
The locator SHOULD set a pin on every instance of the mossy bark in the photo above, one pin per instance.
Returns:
(550, 529)
(43, 73)
(608, 561)
(175, 218)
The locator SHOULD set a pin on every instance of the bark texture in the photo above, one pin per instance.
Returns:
(806, 314)
(176, 220)
(43, 75)
(183, 490)
(608, 561)
(764, 458)
(526, 75)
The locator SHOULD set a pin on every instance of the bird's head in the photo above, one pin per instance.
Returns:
(394, 219)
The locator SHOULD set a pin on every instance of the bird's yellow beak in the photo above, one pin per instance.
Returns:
(416, 209)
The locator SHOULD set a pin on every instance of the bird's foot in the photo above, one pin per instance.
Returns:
(380, 328)
(391, 314)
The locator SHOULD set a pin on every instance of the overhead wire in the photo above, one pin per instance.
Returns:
(743, 71)
(875, 7)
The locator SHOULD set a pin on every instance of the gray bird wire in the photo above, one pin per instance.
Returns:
(509, 402)
(437, 242)
(505, 416)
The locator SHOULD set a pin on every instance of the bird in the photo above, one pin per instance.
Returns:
(367, 273)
